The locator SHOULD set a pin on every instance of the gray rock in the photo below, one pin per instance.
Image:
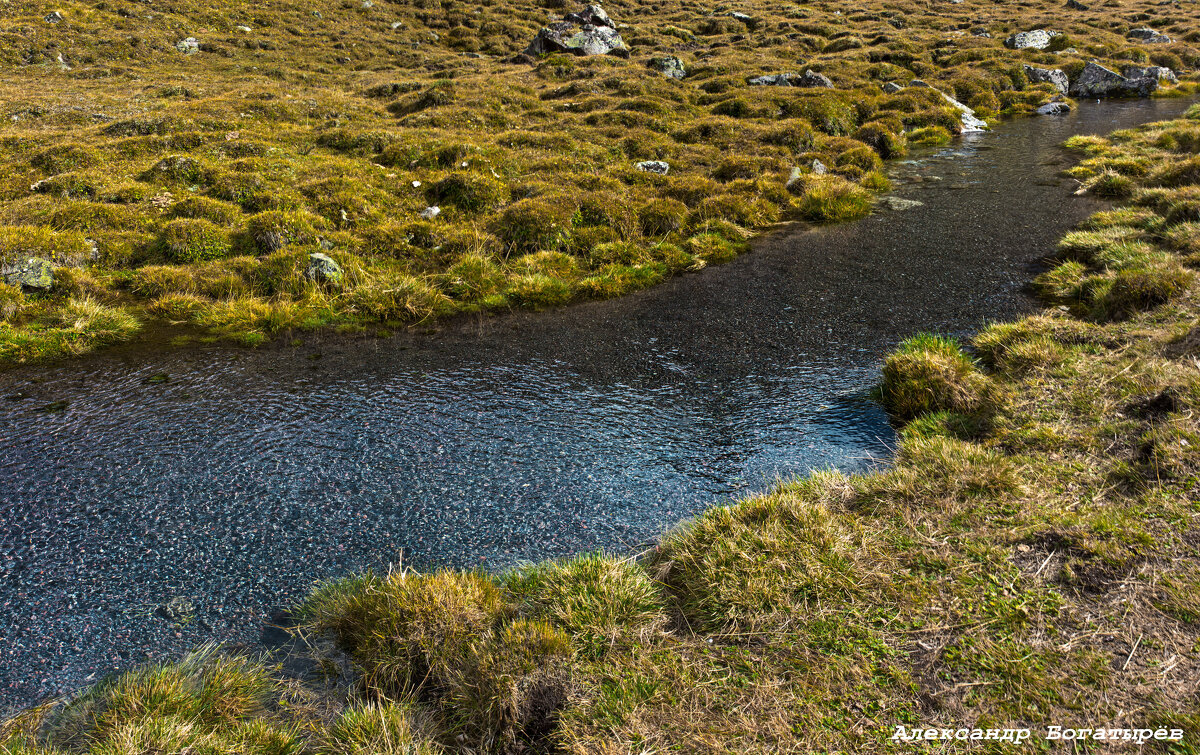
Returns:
(1053, 76)
(1159, 72)
(1076, 5)
(899, 205)
(919, 83)
(654, 166)
(970, 123)
(31, 273)
(322, 269)
(244, 29)
(1150, 36)
(809, 79)
(795, 180)
(592, 14)
(669, 66)
(819, 168)
(981, 34)
(1054, 108)
(587, 32)
(429, 213)
(1097, 81)
(53, 17)
(750, 21)
(188, 46)
(773, 80)
(814, 79)
(1037, 39)
(892, 87)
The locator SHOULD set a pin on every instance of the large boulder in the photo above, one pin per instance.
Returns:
(1150, 36)
(587, 32)
(1097, 81)
(30, 273)
(1053, 76)
(1038, 39)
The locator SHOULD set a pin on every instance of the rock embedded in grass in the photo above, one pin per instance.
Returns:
(669, 66)
(1037, 39)
(1054, 76)
(31, 273)
(587, 32)
(323, 269)
(1150, 36)
(654, 166)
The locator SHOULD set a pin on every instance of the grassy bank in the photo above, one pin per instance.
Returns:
(192, 187)
(1031, 558)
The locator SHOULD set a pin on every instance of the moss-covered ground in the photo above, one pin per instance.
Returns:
(1031, 558)
(190, 189)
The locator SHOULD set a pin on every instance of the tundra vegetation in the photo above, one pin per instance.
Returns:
(1032, 557)
(180, 162)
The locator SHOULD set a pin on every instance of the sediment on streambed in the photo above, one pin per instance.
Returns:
(1029, 560)
(240, 175)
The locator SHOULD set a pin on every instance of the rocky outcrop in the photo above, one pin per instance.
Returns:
(1097, 81)
(1053, 76)
(587, 32)
(1038, 39)
(892, 87)
(1150, 36)
(30, 273)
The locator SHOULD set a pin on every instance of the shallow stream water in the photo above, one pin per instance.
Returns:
(250, 474)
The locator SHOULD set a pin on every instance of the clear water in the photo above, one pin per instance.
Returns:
(252, 473)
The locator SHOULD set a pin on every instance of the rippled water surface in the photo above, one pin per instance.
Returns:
(250, 474)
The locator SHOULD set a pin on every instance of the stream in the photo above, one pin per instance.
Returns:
(485, 442)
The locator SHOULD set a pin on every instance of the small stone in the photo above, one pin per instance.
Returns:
(244, 29)
(429, 213)
(323, 269)
(814, 79)
(54, 17)
(750, 21)
(891, 87)
(818, 168)
(188, 46)
(1076, 5)
(669, 66)
(654, 166)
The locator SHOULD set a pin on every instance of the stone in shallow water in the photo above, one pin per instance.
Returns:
(1097, 81)
(899, 205)
(1054, 108)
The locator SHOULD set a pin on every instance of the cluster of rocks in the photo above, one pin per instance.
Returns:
(588, 32)
(809, 79)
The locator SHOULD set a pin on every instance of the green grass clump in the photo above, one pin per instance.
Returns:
(832, 199)
(272, 230)
(384, 728)
(661, 217)
(469, 192)
(933, 136)
(194, 240)
(535, 224)
(1138, 289)
(929, 373)
(60, 247)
